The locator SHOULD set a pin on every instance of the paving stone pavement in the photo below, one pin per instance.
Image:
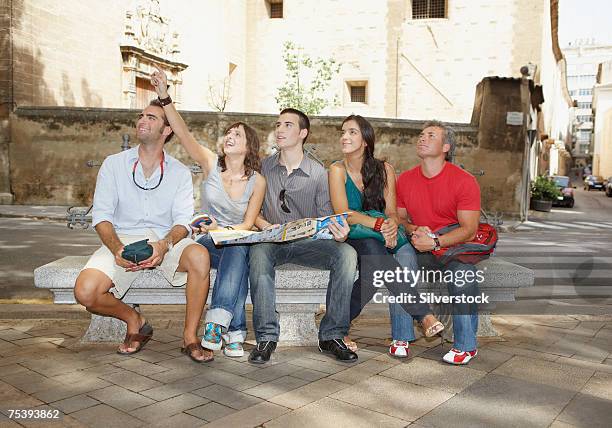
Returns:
(548, 370)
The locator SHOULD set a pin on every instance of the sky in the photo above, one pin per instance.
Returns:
(585, 19)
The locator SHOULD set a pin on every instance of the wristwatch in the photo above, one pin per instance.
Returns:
(169, 243)
(165, 101)
(436, 243)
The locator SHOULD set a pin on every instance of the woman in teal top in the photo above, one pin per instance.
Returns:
(365, 187)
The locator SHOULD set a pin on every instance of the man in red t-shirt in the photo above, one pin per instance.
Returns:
(431, 196)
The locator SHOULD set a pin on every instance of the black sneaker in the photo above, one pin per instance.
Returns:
(339, 349)
(262, 352)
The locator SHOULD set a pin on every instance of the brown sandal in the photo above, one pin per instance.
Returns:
(195, 346)
(142, 337)
(435, 329)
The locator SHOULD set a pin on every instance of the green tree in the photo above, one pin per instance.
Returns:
(219, 93)
(307, 81)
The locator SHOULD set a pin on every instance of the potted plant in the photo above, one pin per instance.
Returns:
(543, 193)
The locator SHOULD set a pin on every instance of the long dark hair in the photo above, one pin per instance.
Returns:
(373, 171)
(252, 162)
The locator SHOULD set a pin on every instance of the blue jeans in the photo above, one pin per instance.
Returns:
(401, 320)
(338, 257)
(465, 317)
(230, 288)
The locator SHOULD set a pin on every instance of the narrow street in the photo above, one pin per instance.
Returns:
(27, 243)
(568, 249)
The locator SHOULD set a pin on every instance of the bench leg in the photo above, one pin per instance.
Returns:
(297, 324)
(105, 329)
(485, 326)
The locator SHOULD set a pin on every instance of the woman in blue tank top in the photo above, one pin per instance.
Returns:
(232, 194)
(365, 186)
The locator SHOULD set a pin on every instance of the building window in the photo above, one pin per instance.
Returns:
(584, 105)
(428, 9)
(584, 118)
(358, 91)
(144, 93)
(587, 80)
(585, 92)
(584, 135)
(275, 8)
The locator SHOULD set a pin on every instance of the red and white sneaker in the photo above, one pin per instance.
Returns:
(454, 356)
(399, 348)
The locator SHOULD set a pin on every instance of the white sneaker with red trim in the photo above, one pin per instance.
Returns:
(399, 348)
(454, 356)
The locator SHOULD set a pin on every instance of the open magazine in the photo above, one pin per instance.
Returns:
(315, 228)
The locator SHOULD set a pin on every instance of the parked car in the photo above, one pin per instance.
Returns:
(567, 191)
(608, 187)
(593, 182)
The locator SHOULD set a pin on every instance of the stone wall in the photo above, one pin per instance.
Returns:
(502, 141)
(64, 53)
(442, 60)
(51, 146)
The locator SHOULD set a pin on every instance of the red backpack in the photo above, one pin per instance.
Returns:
(472, 252)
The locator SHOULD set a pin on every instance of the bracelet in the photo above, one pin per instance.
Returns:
(165, 101)
(378, 224)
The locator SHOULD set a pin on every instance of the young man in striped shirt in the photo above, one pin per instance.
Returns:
(296, 188)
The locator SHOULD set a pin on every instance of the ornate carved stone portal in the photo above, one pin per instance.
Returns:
(147, 43)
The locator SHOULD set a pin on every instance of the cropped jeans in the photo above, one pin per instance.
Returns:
(230, 288)
(465, 317)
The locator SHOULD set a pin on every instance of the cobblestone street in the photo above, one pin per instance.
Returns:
(553, 369)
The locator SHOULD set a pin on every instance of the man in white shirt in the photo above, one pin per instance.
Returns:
(143, 193)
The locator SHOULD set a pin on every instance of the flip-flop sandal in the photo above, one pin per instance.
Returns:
(142, 337)
(434, 329)
(195, 346)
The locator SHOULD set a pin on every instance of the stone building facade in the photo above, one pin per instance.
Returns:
(75, 73)
(415, 61)
(583, 58)
(602, 109)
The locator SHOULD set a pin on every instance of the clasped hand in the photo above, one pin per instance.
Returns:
(421, 240)
(389, 232)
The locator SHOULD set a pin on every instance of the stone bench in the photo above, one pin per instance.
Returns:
(299, 293)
